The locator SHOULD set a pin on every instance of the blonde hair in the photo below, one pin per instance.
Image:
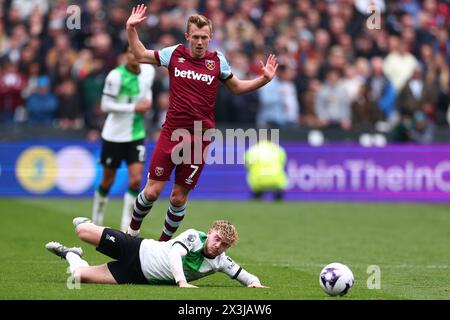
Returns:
(226, 230)
(200, 21)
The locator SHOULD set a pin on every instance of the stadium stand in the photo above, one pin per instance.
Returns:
(391, 74)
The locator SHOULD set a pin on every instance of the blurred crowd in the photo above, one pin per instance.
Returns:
(373, 64)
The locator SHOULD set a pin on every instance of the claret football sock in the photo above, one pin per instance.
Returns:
(141, 208)
(173, 220)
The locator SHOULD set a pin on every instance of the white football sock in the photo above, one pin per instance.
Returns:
(75, 262)
(127, 211)
(133, 233)
(98, 208)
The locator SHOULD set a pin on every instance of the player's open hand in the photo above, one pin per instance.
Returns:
(256, 285)
(270, 68)
(184, 284)
(137, 15)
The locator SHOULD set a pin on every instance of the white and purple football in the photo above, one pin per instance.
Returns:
(336, 279)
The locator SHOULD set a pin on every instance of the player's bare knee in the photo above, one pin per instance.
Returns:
(151, 194)
(178, 200)
(84, 231)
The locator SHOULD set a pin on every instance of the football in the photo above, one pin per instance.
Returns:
(336, 279)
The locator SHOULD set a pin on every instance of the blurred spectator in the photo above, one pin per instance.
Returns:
(83, 65)
(416, 105)
(352, 82)
(34, 71)
(240, 32)
(375, 98)
(289, 94)
(337, 61)
(380, 91)
(25, 8)
(118, 16)
(411, 7)
(307, 86)
(61, 51)
(415, 127)
(399, 64)
(92, 89)
(182, 11)
(102, 49)
(36, 22)
(273, 110)
(18, 39)
(365, 112)
(442, 43)
(363, 6)
(4, 39)
(60, 72)
(419, 94)
(439, 74)
(332, 103)
(238, 108)
(12, 82)
(42, 105)
(308, 116)
(69, 109)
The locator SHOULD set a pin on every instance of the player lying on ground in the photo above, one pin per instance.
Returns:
(190, 256)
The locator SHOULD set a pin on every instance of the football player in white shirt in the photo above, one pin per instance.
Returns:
(127, 96)
(190, 256)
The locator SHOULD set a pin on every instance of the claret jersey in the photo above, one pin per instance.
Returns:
(194, 84)
(155, 262)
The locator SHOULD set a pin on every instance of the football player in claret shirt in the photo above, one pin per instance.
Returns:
(194, 74)
(189, 256)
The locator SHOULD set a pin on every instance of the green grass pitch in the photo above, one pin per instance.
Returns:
(285, 244)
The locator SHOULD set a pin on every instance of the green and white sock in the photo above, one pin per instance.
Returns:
(128, 202)
(98, 209)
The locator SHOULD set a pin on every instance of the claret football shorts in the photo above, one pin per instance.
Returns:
(169, 154)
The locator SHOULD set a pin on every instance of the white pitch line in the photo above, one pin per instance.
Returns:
(32, 261)
(400, 266)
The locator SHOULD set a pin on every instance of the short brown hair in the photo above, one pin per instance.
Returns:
(200, 21)
(226, 230)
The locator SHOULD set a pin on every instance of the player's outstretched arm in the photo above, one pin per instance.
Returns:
(176, 266)
(234, 271)
(137, 16)
(268, 71)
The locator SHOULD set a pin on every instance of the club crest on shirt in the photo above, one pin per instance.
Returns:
(159, 171)
(191, 237)
(210, 64)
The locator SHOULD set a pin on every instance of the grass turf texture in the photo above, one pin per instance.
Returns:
(285, 244)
